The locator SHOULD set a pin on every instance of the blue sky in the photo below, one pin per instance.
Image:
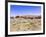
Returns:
(24, 10)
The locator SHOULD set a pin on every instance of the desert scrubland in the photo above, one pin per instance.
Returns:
(24, 23)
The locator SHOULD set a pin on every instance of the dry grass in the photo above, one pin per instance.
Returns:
(20, 24)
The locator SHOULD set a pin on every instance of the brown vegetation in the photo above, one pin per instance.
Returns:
(32, 17)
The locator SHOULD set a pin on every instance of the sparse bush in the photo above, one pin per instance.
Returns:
(31, 23)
